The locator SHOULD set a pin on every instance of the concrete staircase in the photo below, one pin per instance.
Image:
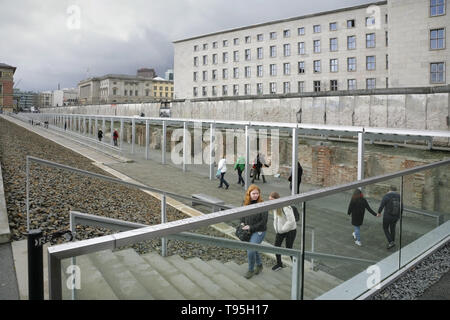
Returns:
(127, 275)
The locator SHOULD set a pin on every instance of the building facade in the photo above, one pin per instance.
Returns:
(65, 97)
(45, 99)
(119, 88)
(394, 43)
(6, 87)
(25, 99)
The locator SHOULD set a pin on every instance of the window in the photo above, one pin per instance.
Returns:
(125, 92)
(387, 62)
(214, 45)
(316, 28)
(371, 83)
(333, 26)
(248, 72)
(301, 48)
(387, 38)
(287, 33)
(370, 62)
(286, 87)
(273, 87)
(333, 85)
(437, 39)
(301, 31)
(370, 21)
(286, 69)
(247, 89)
(316, 86)
(260, 37)
(316, 66)
(259, 53)
(273, 69)
(214, 91)
(301, 67)
(259, 71)
(437, 7)
(351, 23)
(224, 90)
(195, 91)
(196, 48)
(205, 60)
(147, 92)
(301, 86)
(204, 91)
(195, 61)
(273, 51)
(287, 50)
(214, 58)
(225, 57)
(235, 56)
(351, 84)
(437, 72)
(214, 75)
(205, 46)
(333, 65)
(351, 64)
(248, 39)
(194, 76)
(236, 41)
(224, 73)
(273, 35)
(205, 76)
(235, 90)
(333, 44)
(370, 40)
(247, 54)
(351, 42)
(316, 46)
(259, 88)
(235, 73)
(114, 91)
(225, 43)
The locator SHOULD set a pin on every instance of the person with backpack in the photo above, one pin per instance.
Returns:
(299, 180)
(391, 205)
(357, 208)
(285, 225)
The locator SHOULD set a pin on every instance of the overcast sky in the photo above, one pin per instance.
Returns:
(65, 41)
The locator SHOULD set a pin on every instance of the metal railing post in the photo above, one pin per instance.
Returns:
(121, 135)
(147, 139)
(35, 265)
(163, 146)
(247, 158)
(133, 135)
(185, 153)
(361, 155)
(163, 220)
(212, 143)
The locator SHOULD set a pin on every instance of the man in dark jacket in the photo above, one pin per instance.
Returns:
(299, 175)
(391, 205)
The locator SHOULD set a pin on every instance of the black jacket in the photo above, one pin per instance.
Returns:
(387, 203)
(257, 221)
(357, 208)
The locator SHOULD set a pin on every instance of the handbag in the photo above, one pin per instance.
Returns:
(243, 235)
(218, 173)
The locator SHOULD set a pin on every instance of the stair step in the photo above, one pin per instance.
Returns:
(199, 278)
(182, 283)
(92, 283)
(121, 280)
(255, 291)
(230, 285)
(264, 280)
(155, 283)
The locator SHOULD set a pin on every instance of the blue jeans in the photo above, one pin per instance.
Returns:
(252, 255)
(357, 233)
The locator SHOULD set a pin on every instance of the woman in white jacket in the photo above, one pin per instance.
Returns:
(285, 228)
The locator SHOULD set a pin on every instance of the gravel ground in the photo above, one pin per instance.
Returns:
(54, 192)
(414, 283)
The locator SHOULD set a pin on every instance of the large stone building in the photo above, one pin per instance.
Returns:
(6, 87)
(394, 43)
(65, 97)
(120, 88)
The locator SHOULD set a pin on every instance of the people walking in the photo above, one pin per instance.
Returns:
(222, 167)
(115, 137)
(256, 224)
(285, 227)
(391, 205)
(299, 180)
(240, 167)
(260, 161)
(100, 135)
(356, 208)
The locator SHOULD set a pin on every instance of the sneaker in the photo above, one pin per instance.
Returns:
(277, 267)
(258, 269)
(358, 243)
(354, 236)
(390, 245)
(226, 188)
(249, 274)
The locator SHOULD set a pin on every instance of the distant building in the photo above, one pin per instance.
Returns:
(121, 88)
(45, 99)
(6, 87)
(25, 99)
(169, 75)
(65, 97)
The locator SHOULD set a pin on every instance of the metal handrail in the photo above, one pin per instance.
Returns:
(56, 253)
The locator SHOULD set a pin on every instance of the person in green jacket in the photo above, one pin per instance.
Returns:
(240, 167)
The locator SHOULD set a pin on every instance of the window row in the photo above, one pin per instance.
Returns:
(272, 70)
(370, 22)
(286, 88)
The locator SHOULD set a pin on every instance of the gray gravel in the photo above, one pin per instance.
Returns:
(414, 283)
(53, 193)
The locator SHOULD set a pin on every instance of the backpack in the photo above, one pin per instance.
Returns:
(296, 213)
(395, 203)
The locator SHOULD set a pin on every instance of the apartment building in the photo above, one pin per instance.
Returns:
(394, 43)
(6, 87)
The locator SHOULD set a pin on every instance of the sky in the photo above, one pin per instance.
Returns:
(62, 42)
